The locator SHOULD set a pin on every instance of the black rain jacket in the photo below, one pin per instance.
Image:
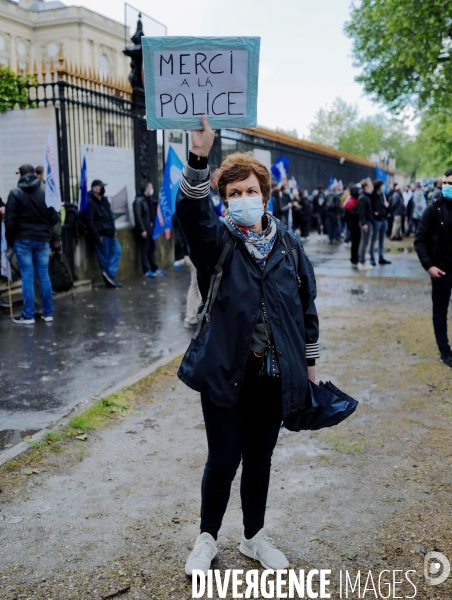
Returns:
(397, 205)
(366, 216)
(144, 213)
(99, 217)
(27, 215)
(434, 235)
(214, 363)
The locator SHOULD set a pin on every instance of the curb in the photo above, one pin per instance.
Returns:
(23, 446)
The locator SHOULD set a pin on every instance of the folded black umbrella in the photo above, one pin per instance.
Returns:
(326, 406)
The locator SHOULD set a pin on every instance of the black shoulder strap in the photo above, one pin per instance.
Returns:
(226, 245)
(291, 244)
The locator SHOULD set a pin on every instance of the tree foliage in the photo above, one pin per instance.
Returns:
(404, 48)
(434, 142)
(341, 127)
(13, 90)
(331, 124)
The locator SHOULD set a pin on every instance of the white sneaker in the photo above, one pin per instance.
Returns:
(261, 548)
(203, 553)
(364, 267)
(47, 319)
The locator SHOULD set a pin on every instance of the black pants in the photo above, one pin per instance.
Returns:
(147, 253)
(305, 228)
(355, 238)
(441, 292)
(247, 432)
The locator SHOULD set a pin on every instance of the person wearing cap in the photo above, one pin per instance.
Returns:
(100, 221)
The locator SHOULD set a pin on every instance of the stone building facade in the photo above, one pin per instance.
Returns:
(33, 31)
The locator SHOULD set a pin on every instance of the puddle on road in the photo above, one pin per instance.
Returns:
(11, 437)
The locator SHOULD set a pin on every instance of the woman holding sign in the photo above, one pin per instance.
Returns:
(255, 344)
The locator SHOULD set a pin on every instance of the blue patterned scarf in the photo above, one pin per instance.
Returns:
(259, 245)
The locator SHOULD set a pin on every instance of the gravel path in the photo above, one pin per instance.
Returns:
(121, 510)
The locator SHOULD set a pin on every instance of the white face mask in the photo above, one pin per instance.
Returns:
(246, 210)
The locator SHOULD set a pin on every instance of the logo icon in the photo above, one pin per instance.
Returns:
(436, 568)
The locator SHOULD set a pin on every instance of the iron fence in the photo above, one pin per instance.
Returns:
(309, 168)
(84, 116)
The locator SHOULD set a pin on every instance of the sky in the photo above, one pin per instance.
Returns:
(305, 57)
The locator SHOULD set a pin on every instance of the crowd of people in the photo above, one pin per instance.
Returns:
(361, 215)
(33, 232)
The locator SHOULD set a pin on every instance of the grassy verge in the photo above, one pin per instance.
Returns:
(67, 444)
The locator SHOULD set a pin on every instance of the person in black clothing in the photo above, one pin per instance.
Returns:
(433, 244)
(304, 214)
(379, 207)
(144, 213)
(100, 222)
(259, 304)
(276, 197)
(3, 302)
(352, 220)
(318, 209)
(398, 211)
(366, 221)
(285, 204)
(333, 216)
(28, 224)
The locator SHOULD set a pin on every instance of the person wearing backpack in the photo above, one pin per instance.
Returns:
(29, 223)
(254, 348)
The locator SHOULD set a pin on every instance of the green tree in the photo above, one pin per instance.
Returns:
(332, 124)
(404, 48)
(13, 90)
(342, 128)
(434, 141)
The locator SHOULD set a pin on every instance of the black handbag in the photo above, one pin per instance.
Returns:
(326, 405)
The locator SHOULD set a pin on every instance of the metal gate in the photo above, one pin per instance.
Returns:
(88, 111)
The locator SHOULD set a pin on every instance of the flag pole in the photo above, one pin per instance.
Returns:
(10, 299)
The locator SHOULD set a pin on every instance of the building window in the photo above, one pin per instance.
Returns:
(104, 66)
(88, 50)
(20, 48)
(52, 49)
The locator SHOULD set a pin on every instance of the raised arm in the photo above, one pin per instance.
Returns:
(199, 222)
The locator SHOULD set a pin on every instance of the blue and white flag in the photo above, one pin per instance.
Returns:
(331, 181)
(5, 265)
(279, 169)
(83, 200)
(168, 192)
(52, 177)
(381, 173)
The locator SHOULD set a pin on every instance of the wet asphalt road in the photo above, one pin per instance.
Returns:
(98, 339)
(102, 337)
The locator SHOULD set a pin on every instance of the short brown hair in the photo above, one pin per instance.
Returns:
(239, 166)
